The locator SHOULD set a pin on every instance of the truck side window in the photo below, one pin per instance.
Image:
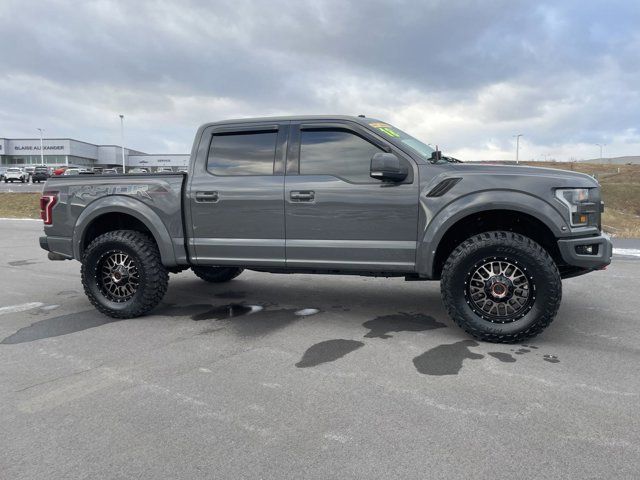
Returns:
(336, 152)
(242, 153)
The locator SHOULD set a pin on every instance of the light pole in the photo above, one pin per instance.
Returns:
(601, 145)
(41, 130)
(518, 147)
(122, 141)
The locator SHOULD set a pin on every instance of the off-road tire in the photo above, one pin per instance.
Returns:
(546, 286)
(217, 274)
(153, 276)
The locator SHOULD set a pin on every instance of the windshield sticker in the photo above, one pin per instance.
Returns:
(389, 131)
(385, 128)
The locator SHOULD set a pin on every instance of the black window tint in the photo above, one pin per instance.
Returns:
(250, 153)
(338, 153)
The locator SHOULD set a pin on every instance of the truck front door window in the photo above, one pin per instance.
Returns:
(242, 153)
(338, 153)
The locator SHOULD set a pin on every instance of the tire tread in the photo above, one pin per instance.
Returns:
(500, 238)
(157, 276)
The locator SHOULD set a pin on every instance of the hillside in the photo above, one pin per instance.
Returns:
(633, 159)
(620, 192)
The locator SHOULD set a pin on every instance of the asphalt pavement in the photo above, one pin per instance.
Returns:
(20, 187)
(314, 377)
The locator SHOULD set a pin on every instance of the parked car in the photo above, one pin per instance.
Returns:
(40, 174)
(109, 171)
(29, 169)
(60, 171)
(16, 174)
(183, 170)
(335, 195)
(138, 170)
(164, 170)
(71, 171)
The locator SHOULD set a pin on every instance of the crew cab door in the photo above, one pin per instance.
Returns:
(236, 197)
(337, 216)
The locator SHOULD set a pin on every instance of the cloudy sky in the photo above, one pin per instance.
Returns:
(466, 75)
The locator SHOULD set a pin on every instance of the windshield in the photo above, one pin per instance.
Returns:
(14, 170)
(423, 149)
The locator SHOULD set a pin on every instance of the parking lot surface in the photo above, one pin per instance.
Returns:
(20, 187)
(301, 376)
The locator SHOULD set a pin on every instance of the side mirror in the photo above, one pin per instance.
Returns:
(388, 168)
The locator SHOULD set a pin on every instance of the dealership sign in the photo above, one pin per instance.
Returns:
(31, 148)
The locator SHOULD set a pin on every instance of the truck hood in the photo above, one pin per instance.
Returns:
(557, 177)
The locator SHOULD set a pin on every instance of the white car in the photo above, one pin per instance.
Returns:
(72, 171)
(164, 170)
(15, 174)
(138, 170)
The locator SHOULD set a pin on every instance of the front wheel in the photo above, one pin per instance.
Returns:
(501, 287)
(217, 274)
(122, 274)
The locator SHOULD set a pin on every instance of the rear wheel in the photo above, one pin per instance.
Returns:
(501, 287)
(122, 274)
(217, 274)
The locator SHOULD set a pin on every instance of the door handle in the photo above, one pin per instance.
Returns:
(206, 197)
(303, 196)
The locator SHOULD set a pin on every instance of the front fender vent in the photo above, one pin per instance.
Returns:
(443, 187)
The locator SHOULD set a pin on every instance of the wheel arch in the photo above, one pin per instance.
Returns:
(116, 213)
(504, 210)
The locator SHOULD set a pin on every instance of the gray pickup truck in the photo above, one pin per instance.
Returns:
(334, 195)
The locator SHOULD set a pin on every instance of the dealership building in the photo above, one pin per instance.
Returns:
(21, 152)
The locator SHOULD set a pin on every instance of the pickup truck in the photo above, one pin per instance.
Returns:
(334, 195)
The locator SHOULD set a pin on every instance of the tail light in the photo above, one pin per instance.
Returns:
(47, 201)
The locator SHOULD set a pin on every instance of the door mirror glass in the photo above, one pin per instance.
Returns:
(388, 167)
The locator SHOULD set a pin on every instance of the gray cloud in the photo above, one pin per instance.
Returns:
(465, 74)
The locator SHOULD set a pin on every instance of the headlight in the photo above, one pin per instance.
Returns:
(577, 201)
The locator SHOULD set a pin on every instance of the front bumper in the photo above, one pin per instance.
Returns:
(591, 253)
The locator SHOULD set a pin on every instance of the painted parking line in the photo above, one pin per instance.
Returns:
(20, 308)
(627, 252)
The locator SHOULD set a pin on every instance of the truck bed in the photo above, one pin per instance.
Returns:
(86, 204)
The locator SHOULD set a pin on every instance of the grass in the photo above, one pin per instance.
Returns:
(620, 192)
(20, 205)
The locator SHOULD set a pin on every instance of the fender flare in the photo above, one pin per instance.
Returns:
(129, 206)
(477, 202)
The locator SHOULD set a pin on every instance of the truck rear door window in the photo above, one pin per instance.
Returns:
(242, 153)
(336, 152)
